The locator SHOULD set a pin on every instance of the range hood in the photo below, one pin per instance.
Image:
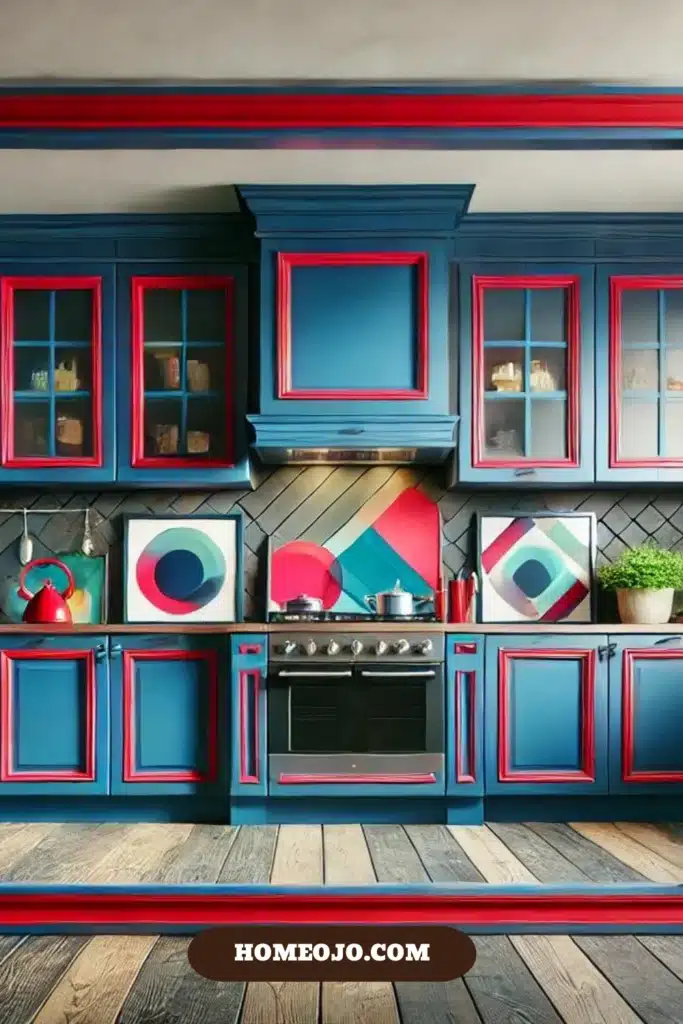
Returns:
(354, 328)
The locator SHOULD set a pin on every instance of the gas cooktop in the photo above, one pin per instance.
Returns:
(347, 617)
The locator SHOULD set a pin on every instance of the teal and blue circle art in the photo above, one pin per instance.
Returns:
(181, 570)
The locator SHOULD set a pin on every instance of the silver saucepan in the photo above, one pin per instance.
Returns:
(396, 602)
(303, 605)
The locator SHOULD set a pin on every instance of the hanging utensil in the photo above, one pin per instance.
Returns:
(87, 547)
(25, 543)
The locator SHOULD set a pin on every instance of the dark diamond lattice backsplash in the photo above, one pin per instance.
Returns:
(313, 503)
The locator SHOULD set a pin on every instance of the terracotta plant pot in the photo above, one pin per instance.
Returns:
(645, 607)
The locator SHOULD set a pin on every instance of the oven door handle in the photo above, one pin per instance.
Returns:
(319, 674)
(418, 674)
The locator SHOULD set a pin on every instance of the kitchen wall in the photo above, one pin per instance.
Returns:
(313, 503)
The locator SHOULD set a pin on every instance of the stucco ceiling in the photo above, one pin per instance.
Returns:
(628, 41)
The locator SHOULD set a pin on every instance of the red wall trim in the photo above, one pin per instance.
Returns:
(284, 341)
(8, 773)
(629, 773)
(617, 286)
(249, 730)
(362, 108)
(8, 285)
(586, 773)
(131, 773)
(428, 778)
(139, 285)
(465, 758)
(572, 285)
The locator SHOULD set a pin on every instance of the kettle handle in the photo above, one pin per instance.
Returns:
(26, 595)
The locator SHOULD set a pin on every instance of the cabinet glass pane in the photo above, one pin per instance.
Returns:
(73, 314)
(673, 427)
(547, 369)
(640, 369)
(504, 369)
(639, 316)
(504, 428)
(72, 420)
(163, 319)
(673, 316)
(674, 369)
(504, 314)
(548, 429)
(639, 430)
(163, 425)
(31, 429)
(206, 315)
(548, 314)
(31, 314)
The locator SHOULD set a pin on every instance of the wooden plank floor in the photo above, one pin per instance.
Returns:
(522, 979)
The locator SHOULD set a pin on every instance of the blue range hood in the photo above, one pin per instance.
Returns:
(354, 326)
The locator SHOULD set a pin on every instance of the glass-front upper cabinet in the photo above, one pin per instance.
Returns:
(56, 344)
(640, 376)
(526, 374)
(178, 419)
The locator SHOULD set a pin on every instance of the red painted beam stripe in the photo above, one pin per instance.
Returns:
(91, 111)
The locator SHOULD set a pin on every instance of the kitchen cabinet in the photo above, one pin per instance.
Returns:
(640, 374)
(54, 716)
(526, 373)
(248, 719)
(646, 712)
(464, 716)
(169, 714)
(57, 378)
(546, 715)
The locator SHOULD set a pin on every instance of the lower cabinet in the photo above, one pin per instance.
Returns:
(646, 715)
(546, 715)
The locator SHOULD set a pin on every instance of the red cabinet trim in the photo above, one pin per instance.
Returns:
(8, 285)
(617, 286)
(629, 773)
(506, 773)
(573, 286)
(139, 285)
(7, 723)
(250, 763)
(131, 773)
(286, 261)
(465, 757)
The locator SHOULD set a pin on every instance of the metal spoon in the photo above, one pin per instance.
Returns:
(87, 547)
(25, 543)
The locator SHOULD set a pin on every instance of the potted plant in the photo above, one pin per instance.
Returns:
(644, 579)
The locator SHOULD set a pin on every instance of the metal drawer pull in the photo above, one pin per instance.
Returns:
(314, 675)
(400, 675)
(673, 640)
(525, 472)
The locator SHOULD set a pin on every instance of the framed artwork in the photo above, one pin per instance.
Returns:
(536, 568)
(89, 603)
(183, 569)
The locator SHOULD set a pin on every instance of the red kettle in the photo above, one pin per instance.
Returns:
(47, 606)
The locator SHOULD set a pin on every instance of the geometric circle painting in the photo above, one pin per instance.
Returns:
(181, 571)
(536, 568)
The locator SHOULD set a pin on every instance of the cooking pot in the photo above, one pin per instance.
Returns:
(303, 604)
(396, 602)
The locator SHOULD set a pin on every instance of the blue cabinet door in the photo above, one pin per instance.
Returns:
(465, 715)
(248, 721)
(526, 374)
(546, 715)
(646, 715)
(168, 715)
(54, 716)
(182, 364)
(639, 365)
(57, 378)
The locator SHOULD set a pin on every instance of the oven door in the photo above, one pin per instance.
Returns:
(359, 730)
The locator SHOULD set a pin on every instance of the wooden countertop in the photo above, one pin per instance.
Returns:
(342, 627)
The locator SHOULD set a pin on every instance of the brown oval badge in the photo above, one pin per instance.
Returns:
(319, 953)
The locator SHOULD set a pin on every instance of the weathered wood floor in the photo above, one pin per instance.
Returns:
(518, 979)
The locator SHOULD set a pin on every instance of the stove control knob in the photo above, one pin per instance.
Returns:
(356, 648)
(289, 647)
(381, 647)
(333, 647)
(401, 646)
(425, 647)
(311, 647)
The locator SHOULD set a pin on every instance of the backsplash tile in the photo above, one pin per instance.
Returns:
(314, 503)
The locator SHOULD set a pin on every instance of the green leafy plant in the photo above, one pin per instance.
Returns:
(644, 568)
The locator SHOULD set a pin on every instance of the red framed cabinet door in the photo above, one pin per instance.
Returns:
(464, 715)
(249, 706)
(640, 374)
(546, 715)
(168, 715)
(181, 356)
(646, 714)
(57, 378)
(54, 716)
(526, 374)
